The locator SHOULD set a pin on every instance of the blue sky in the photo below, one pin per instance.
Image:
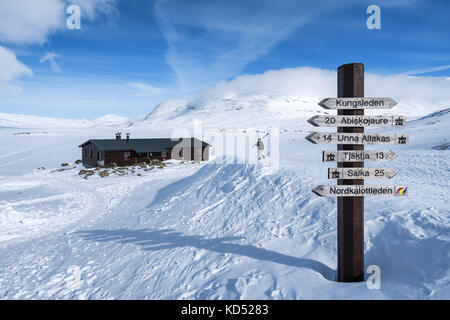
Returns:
(132, 54)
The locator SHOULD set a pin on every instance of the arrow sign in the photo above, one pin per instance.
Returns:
(357, 138)
(357, 103)
(360, 173)
(357, 121)
(357, 156)
(360, 191)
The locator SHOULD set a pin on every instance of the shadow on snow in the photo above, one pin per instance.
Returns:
(152, 240)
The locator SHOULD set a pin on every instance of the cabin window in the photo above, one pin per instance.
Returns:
(127, 155)
(98, 155)
(92, 154)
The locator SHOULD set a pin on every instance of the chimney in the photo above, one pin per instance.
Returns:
(128, 137)
(118, 135)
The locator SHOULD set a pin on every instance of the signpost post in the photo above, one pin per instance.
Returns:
(350, 156)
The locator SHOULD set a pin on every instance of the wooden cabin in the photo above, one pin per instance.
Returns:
(101, 152)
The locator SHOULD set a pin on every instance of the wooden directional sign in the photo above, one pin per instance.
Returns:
(357, 103)
(357, 138)
(350, 157)
(357, 121)
(357, 156)
(360, 173)
(360, 191)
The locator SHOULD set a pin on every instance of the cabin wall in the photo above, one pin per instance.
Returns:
(189, 154)
(197, 153)
(90, 155)
(118, 157)
(205, 152)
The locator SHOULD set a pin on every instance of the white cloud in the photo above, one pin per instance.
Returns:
(425, 94)
(11, 69)
(91, 9)
(30, 21)
(302, 81)
(415, 95)
(145, 89)
(51, 57)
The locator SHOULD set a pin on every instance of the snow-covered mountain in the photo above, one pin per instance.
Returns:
(431, 131)
(232, 112)
(10, 120)
(281, 96)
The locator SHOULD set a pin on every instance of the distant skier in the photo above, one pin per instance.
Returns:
(260, 146)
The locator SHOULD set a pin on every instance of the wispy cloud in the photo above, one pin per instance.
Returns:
(92, 9)
(396, 3)
(425, 71)
(11, 69)
(51, 57)
(145, 89)
(212, 40)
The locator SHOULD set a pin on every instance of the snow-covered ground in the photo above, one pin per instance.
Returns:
(213, 230)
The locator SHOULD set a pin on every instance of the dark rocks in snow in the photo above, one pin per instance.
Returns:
(103, 173)
(82, 171)
(62, 169)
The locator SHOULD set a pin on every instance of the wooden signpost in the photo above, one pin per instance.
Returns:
(350, 157)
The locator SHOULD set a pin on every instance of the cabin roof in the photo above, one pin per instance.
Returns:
(144, 145)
